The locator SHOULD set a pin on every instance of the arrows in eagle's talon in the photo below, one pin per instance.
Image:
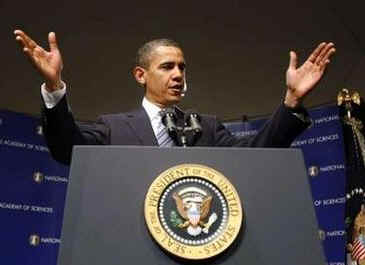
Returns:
(211, 221)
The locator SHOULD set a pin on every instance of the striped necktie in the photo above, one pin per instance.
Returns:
(163, 137)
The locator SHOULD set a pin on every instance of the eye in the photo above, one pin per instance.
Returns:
(182, 67)
(167, 66)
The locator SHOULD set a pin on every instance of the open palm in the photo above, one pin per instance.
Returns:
(300, 81)
(48, 63)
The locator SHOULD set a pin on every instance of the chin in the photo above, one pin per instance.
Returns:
(177, 99)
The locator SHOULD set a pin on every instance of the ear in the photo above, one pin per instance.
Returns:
(140, 75)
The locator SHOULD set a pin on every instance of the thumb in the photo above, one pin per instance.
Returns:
(293, 61)
(52, 41)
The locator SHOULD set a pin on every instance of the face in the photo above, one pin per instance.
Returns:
(164, 79)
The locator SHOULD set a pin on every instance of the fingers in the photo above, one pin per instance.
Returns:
(312, 58)
(293, 60)
(321, 55)
(24, 40)
(52, 41)
(21, 40)
(326, 52)
(327, 56)
(30, 47)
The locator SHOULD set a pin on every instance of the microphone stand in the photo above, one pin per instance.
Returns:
(179, 133)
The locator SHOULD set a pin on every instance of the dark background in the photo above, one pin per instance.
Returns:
(237, 52)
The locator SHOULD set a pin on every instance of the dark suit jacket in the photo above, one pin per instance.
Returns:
(134, 128)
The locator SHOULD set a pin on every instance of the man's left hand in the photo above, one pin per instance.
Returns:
(300, 81)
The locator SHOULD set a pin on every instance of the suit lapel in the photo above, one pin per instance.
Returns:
(140, 123)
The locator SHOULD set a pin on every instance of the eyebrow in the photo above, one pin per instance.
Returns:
(167, 62)
(172, 62)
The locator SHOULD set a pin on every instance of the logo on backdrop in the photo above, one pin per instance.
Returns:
(39, 130)
(313, 171)
(34, 240)
(322, 235)
(193, 211)
(38, 177)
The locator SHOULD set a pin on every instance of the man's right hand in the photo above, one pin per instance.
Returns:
(48, 63)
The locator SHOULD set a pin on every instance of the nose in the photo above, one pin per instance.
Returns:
(178, 74)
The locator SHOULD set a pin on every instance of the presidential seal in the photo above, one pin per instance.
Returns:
(193, 211)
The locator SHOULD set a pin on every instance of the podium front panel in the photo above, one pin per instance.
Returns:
(104, 215)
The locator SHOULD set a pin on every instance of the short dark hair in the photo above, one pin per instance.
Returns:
(144, 52)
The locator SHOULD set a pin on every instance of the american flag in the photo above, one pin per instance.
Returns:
(358, 250)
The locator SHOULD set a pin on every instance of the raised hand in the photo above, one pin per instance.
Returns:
(48, 63)
(300, 81)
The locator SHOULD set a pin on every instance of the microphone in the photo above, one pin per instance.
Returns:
(169, 120)
(193, 119)
(185, 88)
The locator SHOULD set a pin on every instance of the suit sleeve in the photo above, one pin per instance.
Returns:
(62, 132)
(278, 132)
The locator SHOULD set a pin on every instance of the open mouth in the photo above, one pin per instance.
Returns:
(177, 89)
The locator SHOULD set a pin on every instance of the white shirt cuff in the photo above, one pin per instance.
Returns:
(52, 98)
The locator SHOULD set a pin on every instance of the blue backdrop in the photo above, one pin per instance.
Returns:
(32, 193)
(33, 187)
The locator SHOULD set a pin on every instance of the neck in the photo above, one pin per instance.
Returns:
(160, 105)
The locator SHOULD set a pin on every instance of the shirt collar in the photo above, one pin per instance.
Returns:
(151, 109)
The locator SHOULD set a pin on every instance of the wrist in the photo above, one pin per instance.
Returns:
(52, 86)
(292, 101)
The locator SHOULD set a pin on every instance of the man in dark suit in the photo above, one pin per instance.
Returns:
(160, 69)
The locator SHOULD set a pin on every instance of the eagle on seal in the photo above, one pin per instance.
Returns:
(194, 209)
